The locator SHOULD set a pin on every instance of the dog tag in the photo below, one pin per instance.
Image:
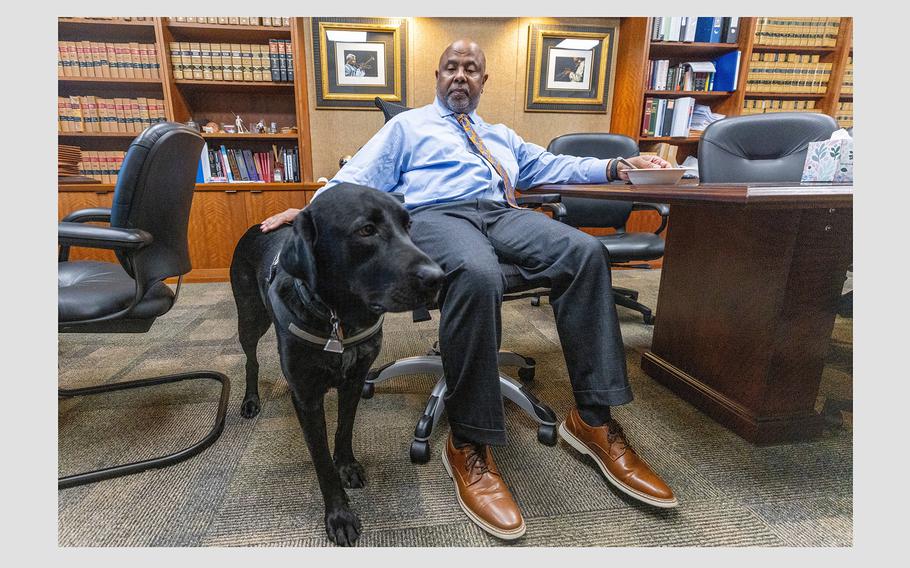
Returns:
(334, 345)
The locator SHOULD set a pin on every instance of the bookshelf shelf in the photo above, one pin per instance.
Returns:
(249, 136)
(84, 22)
(225, 32)
(769, 95)
(106, 81)
(695, 94)
(227, 86)
(793, 49)
(97, 134)
(688, 50)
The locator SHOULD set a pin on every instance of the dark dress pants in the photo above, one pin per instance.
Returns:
(468, 239)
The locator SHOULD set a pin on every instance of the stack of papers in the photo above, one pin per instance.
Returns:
(702, 117)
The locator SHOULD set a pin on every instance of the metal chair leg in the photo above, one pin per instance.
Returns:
(157, 462)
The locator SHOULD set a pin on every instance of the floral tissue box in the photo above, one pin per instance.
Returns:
(830, 160)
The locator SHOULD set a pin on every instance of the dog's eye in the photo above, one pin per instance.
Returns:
(367, 231)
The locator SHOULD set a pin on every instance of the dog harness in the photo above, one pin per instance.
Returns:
(336, 341)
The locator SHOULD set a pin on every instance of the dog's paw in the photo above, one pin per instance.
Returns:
(342, 526)
(352, 475)
(250, 407)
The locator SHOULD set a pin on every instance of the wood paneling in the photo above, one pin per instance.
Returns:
(70, 202)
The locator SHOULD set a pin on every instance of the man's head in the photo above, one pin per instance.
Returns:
(461, 76)
(350, 59)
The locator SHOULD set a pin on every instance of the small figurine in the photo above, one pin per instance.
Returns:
(259, 127)
(238, 122)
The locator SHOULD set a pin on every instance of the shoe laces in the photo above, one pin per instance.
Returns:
(615, 433)
(477, 459)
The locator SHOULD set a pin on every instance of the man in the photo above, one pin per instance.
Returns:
(457, 174)
(351, 69)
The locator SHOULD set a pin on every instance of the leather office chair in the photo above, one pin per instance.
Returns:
(624, 247)
(147, 231)
(761, 147)
(431, 363)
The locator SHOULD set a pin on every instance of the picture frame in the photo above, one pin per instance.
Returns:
(358, 59)
(569, 68)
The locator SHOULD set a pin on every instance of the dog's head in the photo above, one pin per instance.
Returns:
(353, 241)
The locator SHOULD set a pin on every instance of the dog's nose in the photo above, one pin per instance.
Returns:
(429, 277)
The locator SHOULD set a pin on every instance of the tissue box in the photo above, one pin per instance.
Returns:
(829, 160)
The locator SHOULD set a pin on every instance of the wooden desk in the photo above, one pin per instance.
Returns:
(750, 284)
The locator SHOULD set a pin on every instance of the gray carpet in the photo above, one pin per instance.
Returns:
(256, 486)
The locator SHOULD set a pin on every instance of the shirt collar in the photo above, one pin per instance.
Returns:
(444, 111)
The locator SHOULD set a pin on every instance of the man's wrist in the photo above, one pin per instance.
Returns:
(613, 174)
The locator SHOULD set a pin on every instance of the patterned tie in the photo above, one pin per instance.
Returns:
(465, 123)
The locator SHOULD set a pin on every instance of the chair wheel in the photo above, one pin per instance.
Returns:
(526, 374)
(648, 319)
(546, 434)
(535, 301)
(420, 451)
(368, 390)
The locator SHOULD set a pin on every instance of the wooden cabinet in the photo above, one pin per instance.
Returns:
(221, 214)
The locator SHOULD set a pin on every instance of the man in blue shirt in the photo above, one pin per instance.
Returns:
(458, 174)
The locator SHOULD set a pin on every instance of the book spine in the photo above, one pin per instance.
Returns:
(282, 49)
(226, 164)
(274, 63)
(290, 60)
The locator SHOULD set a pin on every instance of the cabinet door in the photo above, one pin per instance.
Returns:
(70, 201)
(217, 221)
(263, 204)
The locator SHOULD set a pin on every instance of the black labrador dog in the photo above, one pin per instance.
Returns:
(325, 282)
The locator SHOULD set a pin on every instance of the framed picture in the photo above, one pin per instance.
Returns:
(569, 68)
(358, 59)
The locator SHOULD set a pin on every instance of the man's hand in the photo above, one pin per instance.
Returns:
(278, 220)
(641, 162)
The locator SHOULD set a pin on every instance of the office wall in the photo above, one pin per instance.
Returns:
(504, 40)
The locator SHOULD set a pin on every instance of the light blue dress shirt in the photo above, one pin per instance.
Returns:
(426, 155)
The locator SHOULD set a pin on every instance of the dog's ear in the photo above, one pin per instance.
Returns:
(297, 256)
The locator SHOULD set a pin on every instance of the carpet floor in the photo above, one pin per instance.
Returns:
(256, 485)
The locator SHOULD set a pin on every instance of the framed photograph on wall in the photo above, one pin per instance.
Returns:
(358, 59)
(569, 68)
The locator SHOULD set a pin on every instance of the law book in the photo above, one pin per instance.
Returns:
(206, 49)
(236, 62)
(290, 60)
(196, 60)
(646, 116)
(227, 68)
(233, 20)
(274, 62)
(283, 59)
(246, 65)
(257, 64)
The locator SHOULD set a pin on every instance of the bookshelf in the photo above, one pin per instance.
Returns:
(222, 212)
(636, 50)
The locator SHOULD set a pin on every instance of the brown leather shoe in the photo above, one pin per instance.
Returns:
(617, 460)
(481, 492)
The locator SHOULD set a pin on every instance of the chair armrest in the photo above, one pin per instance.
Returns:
(97, 214)
(76, 234)
(662, 208)
(557, 209)
(538, 199)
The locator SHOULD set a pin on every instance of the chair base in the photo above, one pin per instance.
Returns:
(622, 297)
(161, 461)
(432, 364)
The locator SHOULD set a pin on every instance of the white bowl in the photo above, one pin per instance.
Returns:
(656, 176)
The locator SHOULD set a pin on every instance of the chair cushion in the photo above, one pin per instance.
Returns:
(89, 289)
(626, 247)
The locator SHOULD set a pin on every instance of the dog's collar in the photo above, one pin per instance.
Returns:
(336, 341)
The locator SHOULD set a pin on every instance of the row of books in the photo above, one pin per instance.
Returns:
(103, 166)
(761, 106)
(720, 74)
(233, 61)
(235, 21)
(788, 73)
(115, 60)
(667, 117)
(787, 30)
(847, 87)
(693, 28)
(844, 115)
(233, 165)
(95, 114)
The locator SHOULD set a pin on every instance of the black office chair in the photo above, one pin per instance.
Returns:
(760, 147)
(766, 148)
(148, 233)
(624, 247)
(431, 363)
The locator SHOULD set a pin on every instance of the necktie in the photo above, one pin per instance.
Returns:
(465, 123)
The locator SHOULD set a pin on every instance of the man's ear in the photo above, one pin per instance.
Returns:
(297, 255)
